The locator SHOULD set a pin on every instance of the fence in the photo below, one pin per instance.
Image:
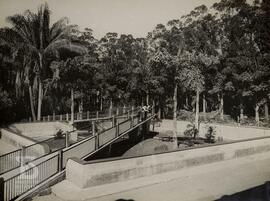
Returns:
(86, 115)
(35, 175)
(13, 160)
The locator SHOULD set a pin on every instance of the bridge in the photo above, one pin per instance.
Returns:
(20, 180)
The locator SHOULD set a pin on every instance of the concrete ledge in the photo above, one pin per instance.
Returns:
(96, 173)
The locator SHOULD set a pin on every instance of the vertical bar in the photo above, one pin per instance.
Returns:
(117, 111)
(29, 119)
(53, 116)
(22, 157)
(78, 116)
(67, 116)
(113, 121)
(87, 115)
(48, 117)
(2, 189)
(67, 139)
(60, 160)
(97, 114)
(61, 117)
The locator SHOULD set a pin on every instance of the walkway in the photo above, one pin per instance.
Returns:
(201, 183)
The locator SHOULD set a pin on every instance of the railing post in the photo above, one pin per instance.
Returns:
(113, 121)
(2, 189)
(110, 112)
(61, 118)
(132, 119)
(87, 115)
(48, 117)
(53, 116)
(22, 156)
(67, 116)
(117, 111)
(78, 116)
(97, 115)
(67, 139)
(29, 119)
(60, 160)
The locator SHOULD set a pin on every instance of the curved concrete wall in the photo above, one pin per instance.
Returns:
(101, 172)
(21, 141)
(40, 130)
(227, 132)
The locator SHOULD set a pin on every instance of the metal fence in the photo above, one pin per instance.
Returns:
(85, 115)
(35, 174)
(30, 178)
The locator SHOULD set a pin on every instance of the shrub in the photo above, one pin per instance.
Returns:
(210, 135)
(191, 131)
(59, 134)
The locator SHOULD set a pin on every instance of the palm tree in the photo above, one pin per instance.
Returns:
(32, 33)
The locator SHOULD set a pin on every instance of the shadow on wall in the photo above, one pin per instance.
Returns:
(124, 200)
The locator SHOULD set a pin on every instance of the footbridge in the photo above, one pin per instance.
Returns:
(17, 183)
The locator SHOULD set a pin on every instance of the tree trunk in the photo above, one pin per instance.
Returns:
(197, 108)
(204, 107)
(72, 105)
(221, 107)
(40, 93)
(32, 103)
(39, 100)
(175, 116)
(257, 118)
(147, 98)
(266, 112)
(241, 114)
(101, 104)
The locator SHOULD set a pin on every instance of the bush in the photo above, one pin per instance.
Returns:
(191, 131)
(210, 135)
(59, 134)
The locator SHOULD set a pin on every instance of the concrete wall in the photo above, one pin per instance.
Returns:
(227, 132)
(21, 141)
(95, 173)
(40, 130)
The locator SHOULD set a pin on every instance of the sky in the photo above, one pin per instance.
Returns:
(136, 17)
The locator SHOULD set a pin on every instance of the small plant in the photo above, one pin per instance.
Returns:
(191, 131)
(210, 136)
(59, 134)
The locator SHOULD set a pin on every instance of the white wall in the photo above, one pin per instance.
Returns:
(85, 174)
(227, 132)
(40, 130)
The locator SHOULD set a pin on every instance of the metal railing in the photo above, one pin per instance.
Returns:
(55, 162)
(84, 115)
(30, 178)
